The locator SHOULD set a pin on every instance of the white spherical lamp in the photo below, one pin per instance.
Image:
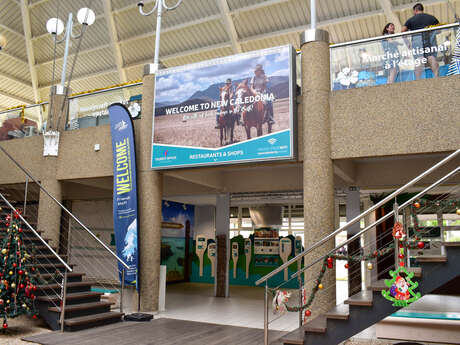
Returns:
(3, 42)
(55, 26)
(86, 16)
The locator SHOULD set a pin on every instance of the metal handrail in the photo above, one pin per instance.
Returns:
(26, 107)
(36, 234)
(385, 37)
(64, 208)
(105, 90)
(380, 220)
(358, 218)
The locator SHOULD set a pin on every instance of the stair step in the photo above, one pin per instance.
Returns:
(81, 306)
(69, 285)
(90, 319)
(50, 266)
(339, 312)
(432, 258)
(379, 285)
(43, 249)
(69, 275)
(416, 270)
(451, 244)
(317, 325)
(70, 296)
(294, 338)
(363, 298)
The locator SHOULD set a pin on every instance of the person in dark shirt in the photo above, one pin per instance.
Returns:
(421, 20)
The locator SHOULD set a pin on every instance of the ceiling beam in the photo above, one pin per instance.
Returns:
(229, 25)
(14, 57)
(15, 79)
(30, 49)
(257, 6)
(83, 51)
(109, 17)
(20, 99)
(7, 28)
(43, 35)
(387, 7)
(172, 28)
(86, 76)
(183, 53)
(298, 29)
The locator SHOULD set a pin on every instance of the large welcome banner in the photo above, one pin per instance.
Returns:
(228, 110)
(124, 190)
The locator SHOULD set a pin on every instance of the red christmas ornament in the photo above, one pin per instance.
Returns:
(329, 260)
(1, 302)
(401, 264)
(7, 224)
(421, 245)
(347, 266)
(401, 256)
(34, 288)
(21, 272)
(18, 253)
(417, 205)
(308, 312)
(15, 264)
(34, 317)
(21, 286)
(32, 296)
(330, 266)
(32, 269)
(5, 325)
(20, 230)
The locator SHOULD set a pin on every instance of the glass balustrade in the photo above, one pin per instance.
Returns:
(89, 110)
(420, 54)
(23, 121)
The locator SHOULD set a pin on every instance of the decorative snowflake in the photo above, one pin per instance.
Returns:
(347, 77)
(134, 109)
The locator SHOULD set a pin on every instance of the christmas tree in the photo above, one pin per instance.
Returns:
(17, 285)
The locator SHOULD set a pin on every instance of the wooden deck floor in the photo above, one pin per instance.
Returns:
(157, 332)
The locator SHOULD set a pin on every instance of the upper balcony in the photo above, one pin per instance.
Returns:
(397, 58)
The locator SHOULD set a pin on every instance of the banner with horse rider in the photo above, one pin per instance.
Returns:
(228, 110)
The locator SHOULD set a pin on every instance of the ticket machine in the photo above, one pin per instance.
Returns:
(285, 251)
(235, 248)
(247, 253)
(201, 245)
(212, 250)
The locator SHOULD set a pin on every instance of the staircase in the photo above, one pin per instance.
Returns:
(83, 307)
(366, 308)
(427, 252)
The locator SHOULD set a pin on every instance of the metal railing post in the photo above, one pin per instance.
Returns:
(25, 196)
(122, 288)
(69, 244)
(63, 299)
(299, 279)
(396, 240)
(266, 314)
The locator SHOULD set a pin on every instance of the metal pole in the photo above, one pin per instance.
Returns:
(266, 314)
(313, 13)
(157, 37)
(396, 213)
(69, 239)
(25, 196)
(63, 298)
(122, 288)
(299, 278)
(66, 49)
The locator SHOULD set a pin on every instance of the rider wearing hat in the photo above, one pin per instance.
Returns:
(259, 85)
(228, 85)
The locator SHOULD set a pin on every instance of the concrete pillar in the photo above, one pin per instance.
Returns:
(353, 209)
(221, 287)
(150, 193)
(318, 179)
(49, 212)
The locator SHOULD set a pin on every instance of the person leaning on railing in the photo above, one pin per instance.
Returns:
(421, 20)
(390, 47)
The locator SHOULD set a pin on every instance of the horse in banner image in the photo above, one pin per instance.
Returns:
(253, 114)
(227, 118)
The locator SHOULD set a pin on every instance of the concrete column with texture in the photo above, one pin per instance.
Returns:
(150, 193)
(221, 287)
(49, 212)
(318, 179)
